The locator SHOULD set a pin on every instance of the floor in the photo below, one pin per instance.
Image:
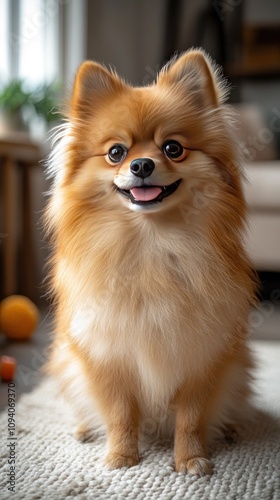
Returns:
(31, 355)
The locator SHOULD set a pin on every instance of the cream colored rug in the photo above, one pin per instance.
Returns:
(51, 464)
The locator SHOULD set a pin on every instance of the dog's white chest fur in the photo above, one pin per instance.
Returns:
(154, 359)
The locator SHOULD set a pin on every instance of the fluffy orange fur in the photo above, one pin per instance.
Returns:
(152, 300)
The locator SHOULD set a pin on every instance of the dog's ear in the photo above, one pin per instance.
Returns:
(197, 73)
(92, 82)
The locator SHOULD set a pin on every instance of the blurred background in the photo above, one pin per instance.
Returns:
(43, 42)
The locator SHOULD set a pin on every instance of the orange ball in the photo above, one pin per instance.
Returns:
(18, 317)
(7, 368)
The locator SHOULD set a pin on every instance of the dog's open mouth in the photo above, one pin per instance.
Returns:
(149, 194)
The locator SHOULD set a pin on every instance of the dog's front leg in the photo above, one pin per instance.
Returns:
(113, 391)
(122, 444)
(193, 405)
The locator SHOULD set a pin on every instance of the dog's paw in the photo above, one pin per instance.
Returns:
(117, 461)
(197, 466)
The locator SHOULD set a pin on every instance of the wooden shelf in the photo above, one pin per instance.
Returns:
(18, 154)
(260, 57)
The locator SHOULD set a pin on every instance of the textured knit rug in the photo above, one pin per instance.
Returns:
(51, 464)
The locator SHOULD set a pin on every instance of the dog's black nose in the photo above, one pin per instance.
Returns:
(142, 167)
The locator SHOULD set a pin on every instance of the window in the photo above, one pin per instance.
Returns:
(29, 40)
(38, 41)
(42, 40)
(4, 41)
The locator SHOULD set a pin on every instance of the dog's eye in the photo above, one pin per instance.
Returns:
(172, 149)
(117, 153)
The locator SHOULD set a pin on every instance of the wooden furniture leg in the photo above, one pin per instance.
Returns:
(10, 226)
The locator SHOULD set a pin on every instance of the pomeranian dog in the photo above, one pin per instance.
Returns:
(151, 282)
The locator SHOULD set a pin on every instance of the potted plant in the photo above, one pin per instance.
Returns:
(17, 103)
(45, 101)
(13, 99)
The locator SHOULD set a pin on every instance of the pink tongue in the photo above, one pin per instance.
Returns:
(145, 194)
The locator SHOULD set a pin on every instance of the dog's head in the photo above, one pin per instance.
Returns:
(155, 148)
